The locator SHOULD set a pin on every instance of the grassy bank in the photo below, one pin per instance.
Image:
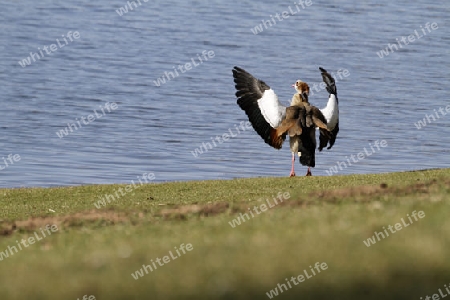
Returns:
(326, 219)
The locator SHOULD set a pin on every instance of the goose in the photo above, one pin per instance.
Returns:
(273, 121)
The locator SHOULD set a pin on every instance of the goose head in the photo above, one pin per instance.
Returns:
(302, 88)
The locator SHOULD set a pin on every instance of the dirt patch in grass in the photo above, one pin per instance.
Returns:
(104, 217)
(355, 194)
(368, 193)
(181, 212)
(361, 194)
(365, 194)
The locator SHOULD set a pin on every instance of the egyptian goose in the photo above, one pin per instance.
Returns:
(273, 121)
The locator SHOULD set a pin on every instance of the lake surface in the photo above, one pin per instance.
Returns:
(155, 129)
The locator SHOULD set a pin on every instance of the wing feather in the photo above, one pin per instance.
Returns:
(261, 104)
(330, 112)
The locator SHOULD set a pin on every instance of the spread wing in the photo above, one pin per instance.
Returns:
(261, 104)
(330, 112)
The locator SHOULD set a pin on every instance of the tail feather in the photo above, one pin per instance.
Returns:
(307, 147)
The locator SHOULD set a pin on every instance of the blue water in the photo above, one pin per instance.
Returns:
(116, 59)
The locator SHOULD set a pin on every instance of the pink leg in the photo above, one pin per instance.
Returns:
(292, 168)
(308, 173)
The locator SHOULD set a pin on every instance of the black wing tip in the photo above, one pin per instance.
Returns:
(329, 81)
(325, 73)
(239, 72)
(237, 69)
(244, 79)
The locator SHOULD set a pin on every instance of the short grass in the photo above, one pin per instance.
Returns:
(326, 219)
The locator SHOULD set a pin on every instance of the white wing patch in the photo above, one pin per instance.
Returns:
(331, 112)
(271, 108)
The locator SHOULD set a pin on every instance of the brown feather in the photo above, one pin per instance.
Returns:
(275, 139)
(319, 123)
(296, 129)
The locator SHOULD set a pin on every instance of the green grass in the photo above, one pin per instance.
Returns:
(326, 219)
